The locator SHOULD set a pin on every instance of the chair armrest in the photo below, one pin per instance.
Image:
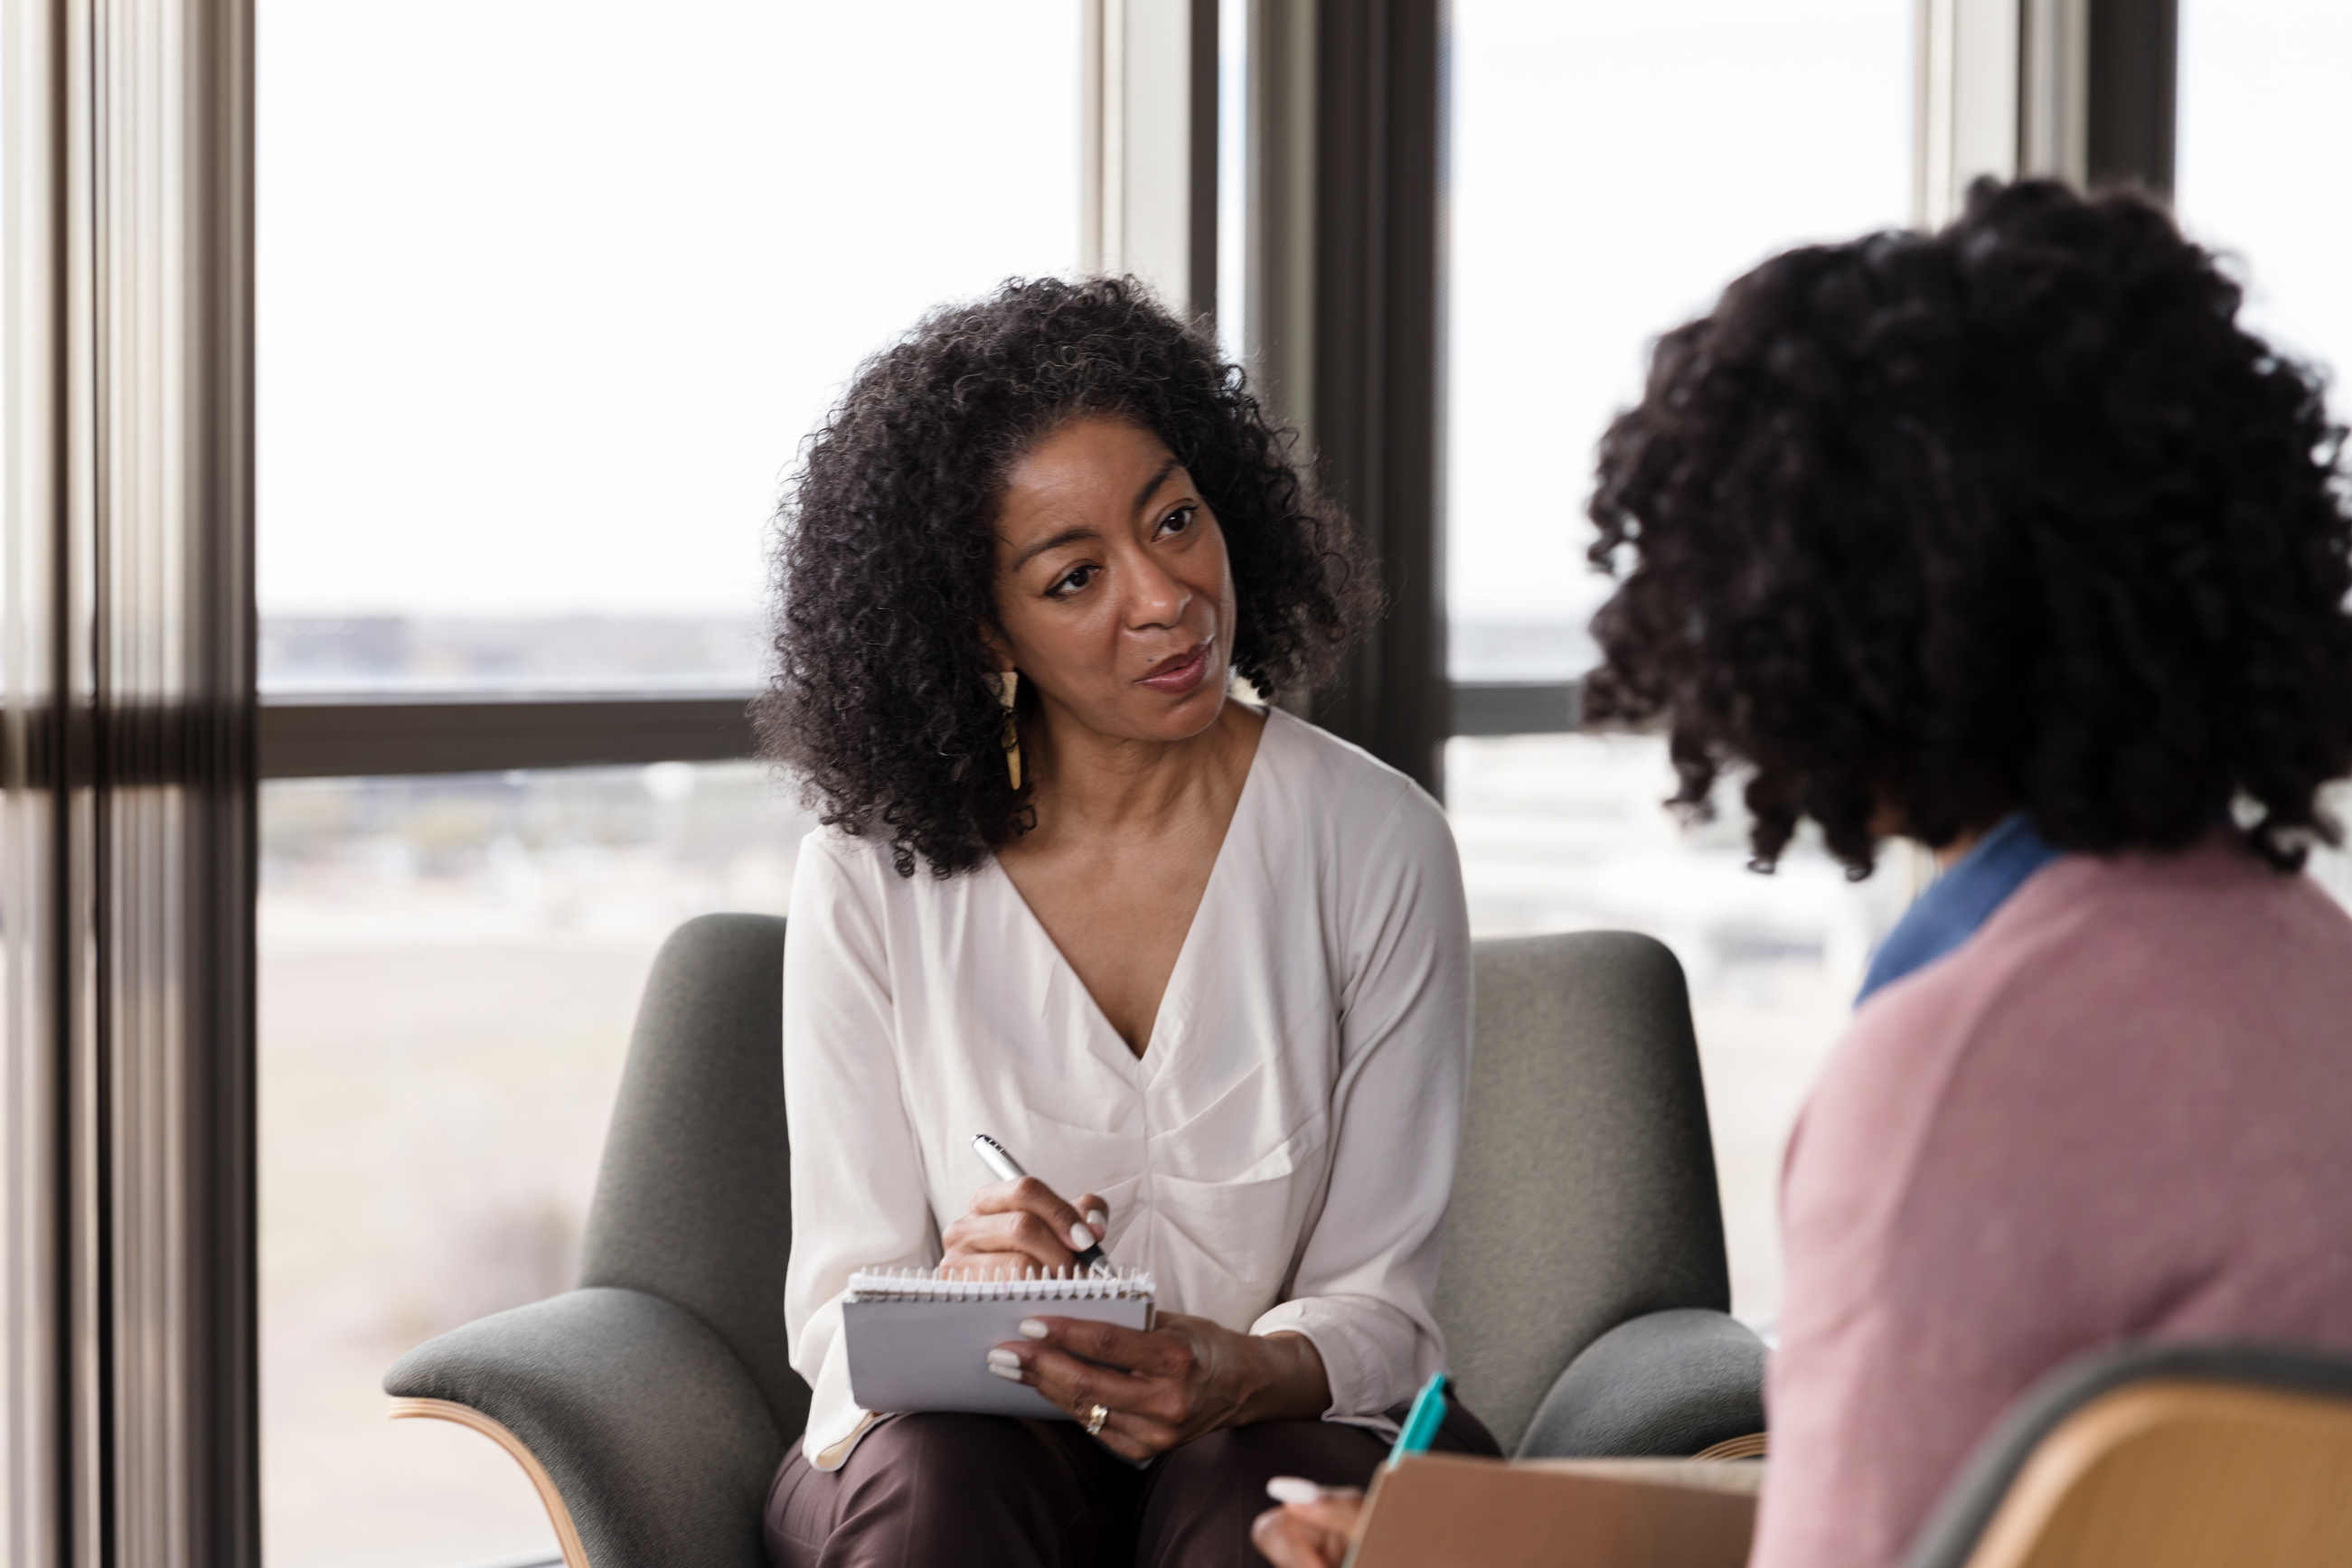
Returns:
(1668, 1384)
(653, 1435)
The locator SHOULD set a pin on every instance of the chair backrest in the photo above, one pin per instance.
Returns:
(694, 1198)
(1586, 1194)
(2183, 1455)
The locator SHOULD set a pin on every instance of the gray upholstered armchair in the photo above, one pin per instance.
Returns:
(1583, 1293)
(651, 1406)
(1586, 1295)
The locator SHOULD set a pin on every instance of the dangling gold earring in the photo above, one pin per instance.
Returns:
(1008, 686)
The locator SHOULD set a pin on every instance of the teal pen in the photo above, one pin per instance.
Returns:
(1419, 1428)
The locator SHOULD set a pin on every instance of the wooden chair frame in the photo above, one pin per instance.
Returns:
(2182, 1473)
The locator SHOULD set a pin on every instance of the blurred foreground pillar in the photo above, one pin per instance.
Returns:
(126, 785)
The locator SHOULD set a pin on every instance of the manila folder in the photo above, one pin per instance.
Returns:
(1442, 1510)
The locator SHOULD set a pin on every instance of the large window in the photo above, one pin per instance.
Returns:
(549, 295)
(1613, 167)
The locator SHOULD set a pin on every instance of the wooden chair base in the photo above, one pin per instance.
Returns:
(1752, 1447)
(566, 1536)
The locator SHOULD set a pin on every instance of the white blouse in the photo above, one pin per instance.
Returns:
(1280, 1157)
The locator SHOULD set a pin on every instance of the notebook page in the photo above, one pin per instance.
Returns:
(918, 1341)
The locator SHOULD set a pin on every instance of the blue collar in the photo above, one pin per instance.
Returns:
(1959, 901)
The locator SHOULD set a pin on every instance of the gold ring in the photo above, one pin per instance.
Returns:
(1094, 1420)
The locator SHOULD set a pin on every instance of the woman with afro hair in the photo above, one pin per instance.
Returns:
(2010, 540)
(1203, 967)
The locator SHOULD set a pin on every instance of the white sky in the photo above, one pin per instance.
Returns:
(2265, 130)
(549, 290)
(1614, 165)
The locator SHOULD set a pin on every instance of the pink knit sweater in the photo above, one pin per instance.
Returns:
(2123, 1109)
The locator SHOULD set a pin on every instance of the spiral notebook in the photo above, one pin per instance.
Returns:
(918, 1341)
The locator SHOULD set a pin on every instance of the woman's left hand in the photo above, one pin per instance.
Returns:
(1167, 1384)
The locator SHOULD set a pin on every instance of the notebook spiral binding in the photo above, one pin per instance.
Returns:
(1033, 1284)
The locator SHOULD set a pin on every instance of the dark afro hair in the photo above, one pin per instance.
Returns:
(883, 701)
(1927, 529)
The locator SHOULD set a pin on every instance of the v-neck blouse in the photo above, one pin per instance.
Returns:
(1281, 1155)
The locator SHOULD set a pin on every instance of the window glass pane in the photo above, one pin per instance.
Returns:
(449, 968)
(549, 295)
(2265, 126)
(550, 289)
(1613, 167)
(1566, 832)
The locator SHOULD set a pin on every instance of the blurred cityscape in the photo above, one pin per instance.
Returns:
(390, 653)
(449, 967)
(394, 652)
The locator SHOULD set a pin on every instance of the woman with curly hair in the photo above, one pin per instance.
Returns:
(2008, 539)
(1202, 966)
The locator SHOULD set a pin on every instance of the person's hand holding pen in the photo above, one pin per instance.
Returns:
(1139, 1392)
(1311, 1525)
(1314, 1524)
(1023, 1224)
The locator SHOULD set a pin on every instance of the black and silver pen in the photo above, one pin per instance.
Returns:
(999, 1159)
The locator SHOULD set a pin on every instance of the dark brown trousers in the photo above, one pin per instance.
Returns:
(989, 1491)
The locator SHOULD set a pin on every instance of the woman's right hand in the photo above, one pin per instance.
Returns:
(1014, 1225)
(1312, 1534)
